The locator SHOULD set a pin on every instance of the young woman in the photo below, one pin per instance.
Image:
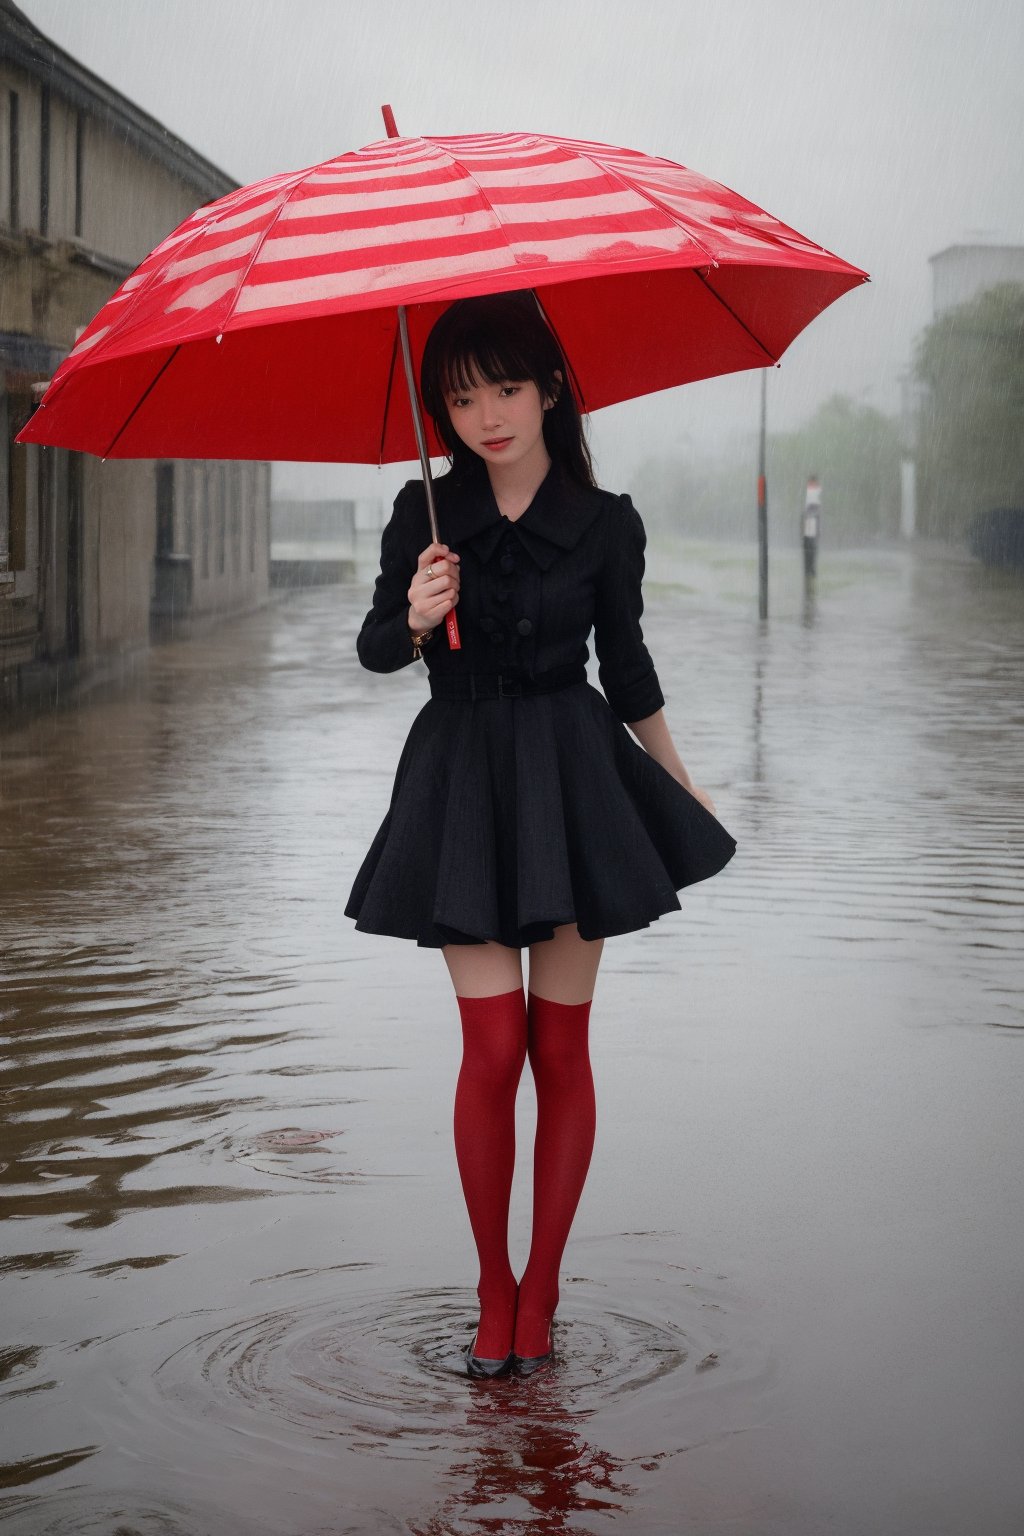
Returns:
(523, 814)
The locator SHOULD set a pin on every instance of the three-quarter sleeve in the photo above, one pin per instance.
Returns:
(384, 643)
(626, 670)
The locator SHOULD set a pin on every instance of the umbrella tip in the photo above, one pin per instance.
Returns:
(389, 122)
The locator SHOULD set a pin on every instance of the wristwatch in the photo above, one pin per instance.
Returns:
(419, 641)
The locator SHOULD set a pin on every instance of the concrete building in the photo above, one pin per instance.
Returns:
(96, 556)
(960, 272)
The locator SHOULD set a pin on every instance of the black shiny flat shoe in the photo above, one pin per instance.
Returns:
(481, 1368)
(525, 1365)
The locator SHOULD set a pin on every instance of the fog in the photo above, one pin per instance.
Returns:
(791, 1296)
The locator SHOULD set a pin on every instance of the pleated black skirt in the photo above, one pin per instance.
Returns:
(509, 817)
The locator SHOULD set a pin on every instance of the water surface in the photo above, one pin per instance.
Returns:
(237, 1272)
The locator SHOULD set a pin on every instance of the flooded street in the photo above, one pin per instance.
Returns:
(238, 1270)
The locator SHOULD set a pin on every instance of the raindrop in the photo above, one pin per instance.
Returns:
(220, 338)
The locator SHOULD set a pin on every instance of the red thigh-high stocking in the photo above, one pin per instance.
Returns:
(566, 1120)
(493, 1053)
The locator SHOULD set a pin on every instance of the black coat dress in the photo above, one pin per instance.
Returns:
(511, 815)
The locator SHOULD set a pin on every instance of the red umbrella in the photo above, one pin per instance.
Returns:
(266, 325)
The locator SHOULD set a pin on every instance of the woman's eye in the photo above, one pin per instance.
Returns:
(510, 389)
(460, 400)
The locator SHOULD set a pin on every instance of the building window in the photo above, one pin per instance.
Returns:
(265, 514)
(164, 510)
(252, 480)
(13, 183)
(44, 161)
(221, 518)
(206, 472)
(235, 473)
(79, 169)
(190, 511)
(14, 533)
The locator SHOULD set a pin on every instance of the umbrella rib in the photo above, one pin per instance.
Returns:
(123, 319)
(655, 202)
(141, 401)
(484, 198)
(573, 379)
(743, 326)
(501, 228)
(387, 396)
(154, 276)
(296, 184)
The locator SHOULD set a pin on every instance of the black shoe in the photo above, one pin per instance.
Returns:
(525, 1365)
(480, 1368)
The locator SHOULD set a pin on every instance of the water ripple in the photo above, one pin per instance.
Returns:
(385, 1371)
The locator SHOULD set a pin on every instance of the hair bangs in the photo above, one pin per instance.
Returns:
(488, 358)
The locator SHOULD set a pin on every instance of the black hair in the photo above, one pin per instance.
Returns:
(495, 338)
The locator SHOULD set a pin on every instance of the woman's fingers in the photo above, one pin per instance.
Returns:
(437, 563)
(436, 555)
(434, 594)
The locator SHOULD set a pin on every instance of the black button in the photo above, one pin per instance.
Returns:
(508, 563)
(525, 627)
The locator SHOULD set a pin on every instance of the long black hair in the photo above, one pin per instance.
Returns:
(498, 338)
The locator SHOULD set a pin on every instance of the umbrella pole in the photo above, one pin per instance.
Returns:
(762, 507)
(450, 622)
(417, 424)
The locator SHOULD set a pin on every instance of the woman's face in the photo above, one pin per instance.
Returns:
(503, 423)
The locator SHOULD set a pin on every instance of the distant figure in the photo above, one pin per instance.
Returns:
(812, 525)
(523, 814)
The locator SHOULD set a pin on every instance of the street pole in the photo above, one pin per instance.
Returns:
(762, 507)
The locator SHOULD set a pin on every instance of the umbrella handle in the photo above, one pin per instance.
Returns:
(450, 622)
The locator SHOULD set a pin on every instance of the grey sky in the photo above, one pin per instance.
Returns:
(885, 131)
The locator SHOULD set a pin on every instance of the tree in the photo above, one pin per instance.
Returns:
(971, 430)
(855, 451)
(699, 494)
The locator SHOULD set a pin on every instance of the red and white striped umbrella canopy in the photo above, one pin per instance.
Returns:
(265, 325)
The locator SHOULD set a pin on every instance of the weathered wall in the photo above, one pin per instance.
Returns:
(90, 583)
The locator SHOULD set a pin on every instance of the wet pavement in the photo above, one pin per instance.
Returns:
(237, 1271)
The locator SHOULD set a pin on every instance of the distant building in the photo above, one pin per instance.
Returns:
(960, 272)
(95, 556)
(304, 522)
(941, 505)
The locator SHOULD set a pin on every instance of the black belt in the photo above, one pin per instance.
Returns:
(504, 685)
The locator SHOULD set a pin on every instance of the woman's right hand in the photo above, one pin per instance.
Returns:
(431, 597)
